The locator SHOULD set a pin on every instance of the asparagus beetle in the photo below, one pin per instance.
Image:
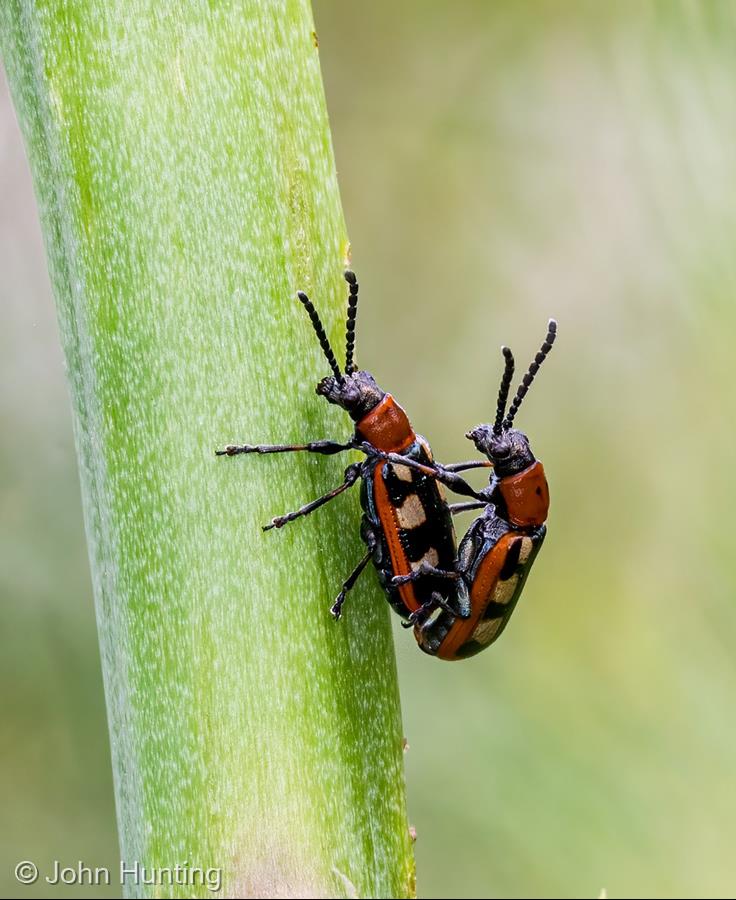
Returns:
(406, 523)
(497, 552)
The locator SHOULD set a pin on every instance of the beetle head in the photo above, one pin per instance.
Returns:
(509, 451)
(356, 392)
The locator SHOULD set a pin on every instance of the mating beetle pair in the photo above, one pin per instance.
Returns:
(458, 601)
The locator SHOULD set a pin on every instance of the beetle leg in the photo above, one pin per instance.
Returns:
(349, 583)
(426, 609)
(424, 569)
(371, 542)
(456, 508)
(470, 464)
(326, 448)
(456, 484)
(435, 470)
(352, 474)
(462, 596)
(438, 600)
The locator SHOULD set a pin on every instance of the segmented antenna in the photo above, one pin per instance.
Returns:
(317, 325)
(533, 369)
(503, 390)
(350, 323)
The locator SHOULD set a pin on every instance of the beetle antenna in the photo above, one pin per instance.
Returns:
(532, 371)
(350, 323)
(503, 390)
(321, 334)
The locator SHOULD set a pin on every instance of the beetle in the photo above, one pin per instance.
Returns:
(498, 550)
(406, 523)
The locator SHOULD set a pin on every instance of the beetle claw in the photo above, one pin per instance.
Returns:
(336, 608)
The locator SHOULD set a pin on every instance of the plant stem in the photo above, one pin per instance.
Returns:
(184, 172)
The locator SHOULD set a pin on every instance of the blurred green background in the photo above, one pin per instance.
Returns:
(499, 163)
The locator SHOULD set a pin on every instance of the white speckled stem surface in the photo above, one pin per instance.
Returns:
(185, 177)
